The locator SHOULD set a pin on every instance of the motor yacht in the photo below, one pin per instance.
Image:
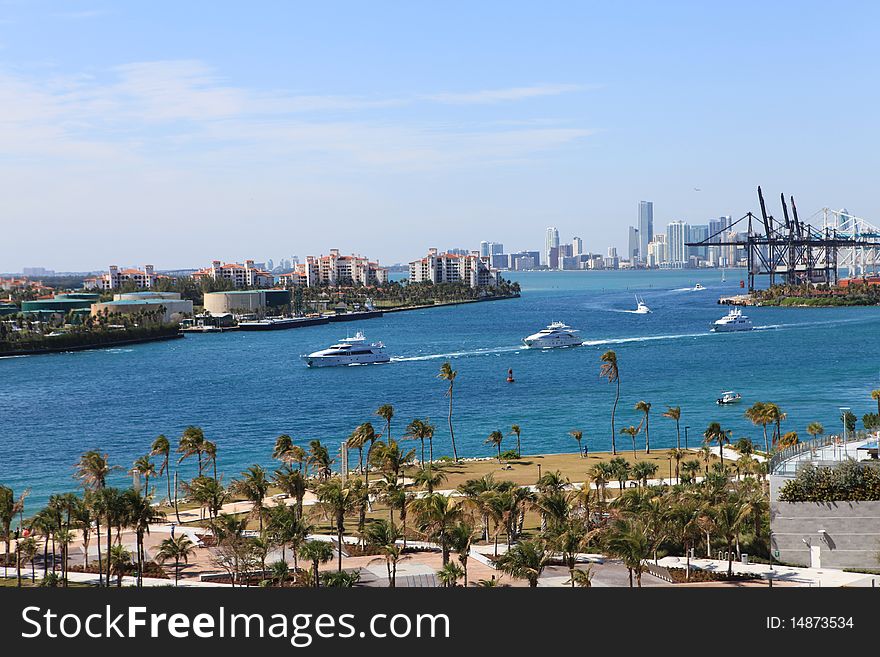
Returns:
(556, 334)
(732, 321)
(641, 307)
(728, 397)
(350, 351)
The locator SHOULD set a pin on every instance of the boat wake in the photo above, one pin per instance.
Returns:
(458, 354)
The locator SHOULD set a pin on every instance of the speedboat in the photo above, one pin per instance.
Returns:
(732, 321)
(349, 351)
(728, 397)
(556, 334)
(641, 307)
(698, 287)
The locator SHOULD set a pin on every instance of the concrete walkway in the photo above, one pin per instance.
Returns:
(820, 577)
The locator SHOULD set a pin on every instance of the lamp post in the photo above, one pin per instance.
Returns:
(686, 436)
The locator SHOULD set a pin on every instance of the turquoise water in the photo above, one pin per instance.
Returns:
(246, 388)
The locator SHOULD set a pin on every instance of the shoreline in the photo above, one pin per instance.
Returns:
(88, 347)
(450, 303)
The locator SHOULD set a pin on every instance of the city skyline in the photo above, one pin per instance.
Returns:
(144, 119)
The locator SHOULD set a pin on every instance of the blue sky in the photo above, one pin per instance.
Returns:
(175, 133)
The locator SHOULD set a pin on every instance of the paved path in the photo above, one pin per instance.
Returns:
(820, 577)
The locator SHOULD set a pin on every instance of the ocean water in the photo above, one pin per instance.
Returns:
(244, 389)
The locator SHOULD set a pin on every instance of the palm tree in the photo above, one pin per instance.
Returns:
(162, 447)
(674, 413)
(335, 500)
(790, 439)
(578, 435)
(253, 486)
(645, 407)
(356, 441)
(776, 416)
(461, 536)
(210, 450)
(644, 470)
(7, 513)
(449, 574)
(715, 434)
(677, 454)
(119, 562)
(386, 412)
(143, 467)
(179, 548)
(192, 442)
(384, 535)
(610, 371)
(317, 552)
(568, 539)
(690, 469)
(525, 560)
(428, 479)
(319, 458)
(627, 539)
(516, 431)
(875, 395)
(816, 428)
(449, 374)
(620, 469)
(435, 515)
(729, 517)
(92, 470)
(600, 474)
(367, 434)
(495, 438)
(292, 483)
(283, 447)
(422, 430)
(142, 514)
(759, 415)
(632, 432)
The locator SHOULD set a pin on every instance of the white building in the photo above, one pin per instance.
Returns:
(577, 246)
(658, 253)
(676, 236)
(116, 278)
(246, 275)
(473, 269)
(551, 241)
(336, 269)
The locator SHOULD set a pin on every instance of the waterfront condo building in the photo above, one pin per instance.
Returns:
(115, 278)
(335, 269)
(473, 269)
(246, 275)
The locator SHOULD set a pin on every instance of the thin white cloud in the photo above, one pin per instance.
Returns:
(489, 96)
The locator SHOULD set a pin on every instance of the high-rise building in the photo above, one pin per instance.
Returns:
(646, 227)
(612, 251)
(577, 246)
(698, 233)
(658, 251)
(676, 236)
(632, 251)
(484, 249)
(551, 241)
(717, 228)
(496, 248)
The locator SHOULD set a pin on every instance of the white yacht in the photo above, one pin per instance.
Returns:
(555, 335)
(698, 287)
(350, 351)
(732, 321)
(641, 307)
(729, 397)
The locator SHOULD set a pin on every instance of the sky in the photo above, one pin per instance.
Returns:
(176, 133)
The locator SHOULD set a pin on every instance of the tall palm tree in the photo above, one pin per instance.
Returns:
(627, 539)
(386, 412)
(525, 560)
(7, 513)
(317, 552)
(192, 442)
(367, 435)
(674, 413)
(632, 432)
(729, 517)
(210, 450)
(253, 486)
(449, 374)
(776, 416)
(92, 470)
(495, 438)
(516, 431)
(335, 500)
(461, 536)
(875, 395)
(177, 549)
(118, 563)
(610, 371)
(715, 434)
(383, 535)
(162, 447)
(142, 514)
(677, 454)
(759, 416)
(578, 435)
(292, 483)
(645, 407)
(356, 441)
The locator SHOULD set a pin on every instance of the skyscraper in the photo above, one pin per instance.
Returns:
(676, 236)
(484, 249)
(550, 241)
(632, 251)
(577, 246)
(698, 233)
(646, 227)
(496, 248)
